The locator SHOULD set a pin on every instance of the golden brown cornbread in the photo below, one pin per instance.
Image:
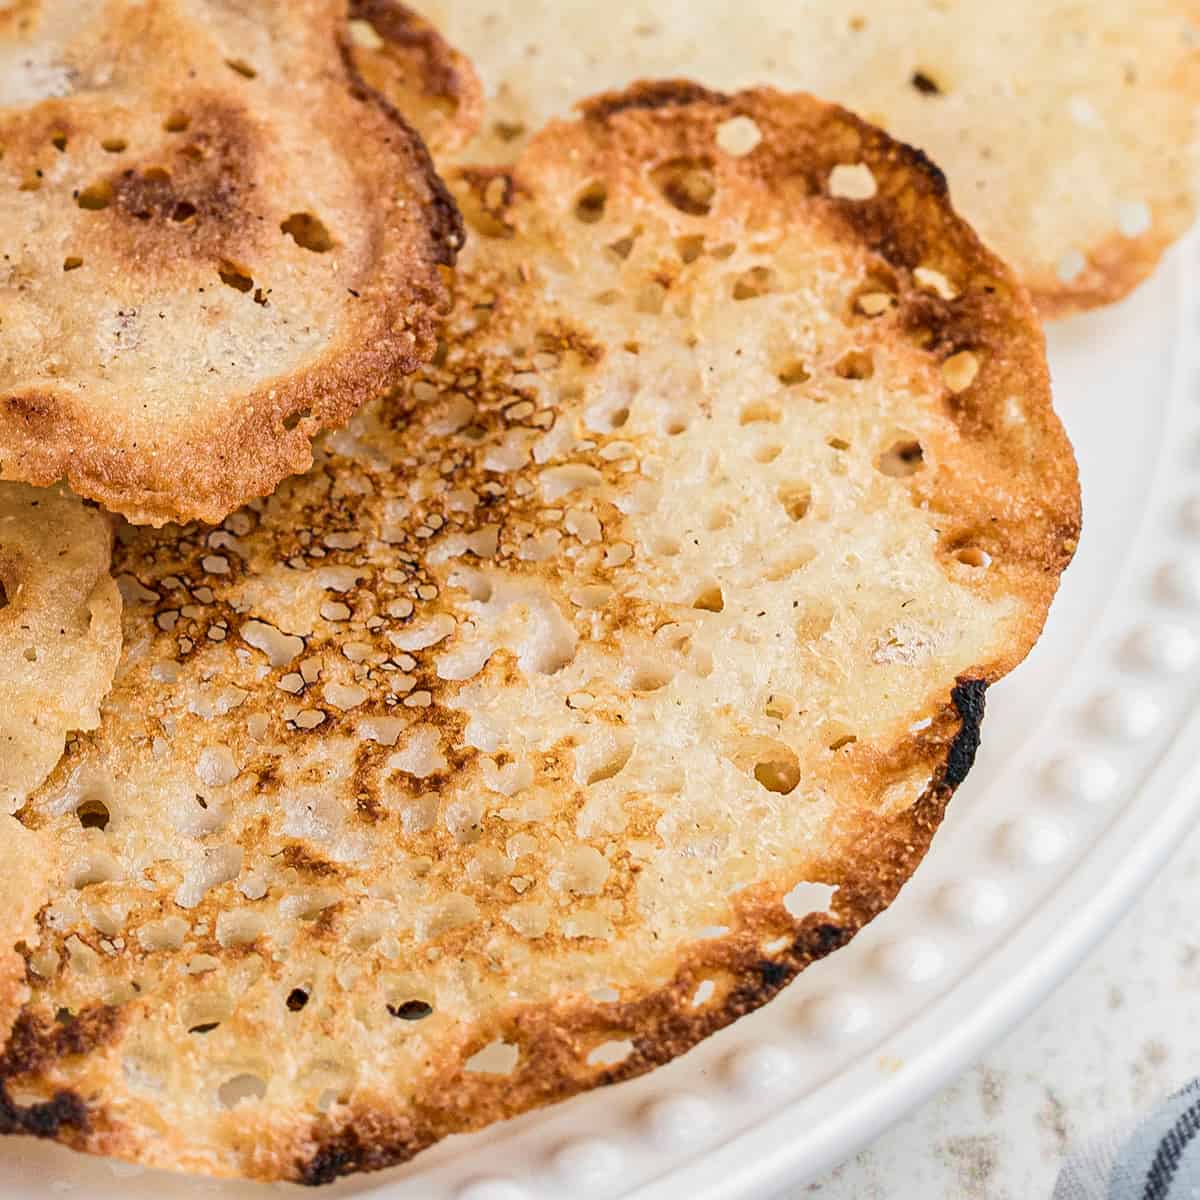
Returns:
(27, 865)
(586, 689)
(60, 639)
(1066, 129)
(408, 61)
(60, 629)
(219, 240)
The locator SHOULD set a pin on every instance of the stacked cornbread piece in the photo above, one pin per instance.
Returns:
(561, 567)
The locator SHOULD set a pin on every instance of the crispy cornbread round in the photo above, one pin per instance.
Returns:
(589, 686)
(60, 639)
(1066, 130)
(60, 629)
(218, 241)
(27, 865)
(404, 58)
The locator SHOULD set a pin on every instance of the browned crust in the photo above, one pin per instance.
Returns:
(371, 1135)
(446, 223)
(663, 1027)
(28, 861)
(1114, 268)
(220, 460)
(420, 73)
(909, 223)
(1119, 264)
(869, 858)
(648, 95)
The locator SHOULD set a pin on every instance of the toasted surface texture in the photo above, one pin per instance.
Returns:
(28, 864)
(1066, 129)
(481, 764)
(60, 639)
(60, 630)
(408, 61)
(200, 274)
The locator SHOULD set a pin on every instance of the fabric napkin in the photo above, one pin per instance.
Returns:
(1156, 1157)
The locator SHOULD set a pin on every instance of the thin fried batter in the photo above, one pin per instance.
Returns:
(1066, 129)
(483, 763)
(27, 866)
(218, 241)
(60, 630)
(407, 60)
(60, 639)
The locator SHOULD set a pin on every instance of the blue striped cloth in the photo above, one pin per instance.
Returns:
(1157, 1158)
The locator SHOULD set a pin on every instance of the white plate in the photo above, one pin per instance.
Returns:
(1085, 781)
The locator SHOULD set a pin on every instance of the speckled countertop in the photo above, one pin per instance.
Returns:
(1117, 1034)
